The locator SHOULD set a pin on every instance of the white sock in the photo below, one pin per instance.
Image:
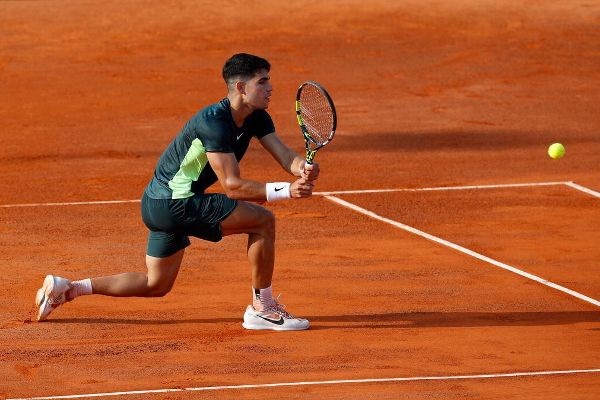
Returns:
(79, 288)
(261, 298)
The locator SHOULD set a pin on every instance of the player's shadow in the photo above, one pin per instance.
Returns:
(453, 319)
(141, 321)
(385, 320)
(480, 140)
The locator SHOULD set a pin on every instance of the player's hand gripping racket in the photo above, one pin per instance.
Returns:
(316, 116)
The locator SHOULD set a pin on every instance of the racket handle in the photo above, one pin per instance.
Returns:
(303, 167)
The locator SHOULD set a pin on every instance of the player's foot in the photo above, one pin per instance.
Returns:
(51, 295)
(273, 317)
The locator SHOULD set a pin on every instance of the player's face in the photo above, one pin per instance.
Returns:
(258, 90)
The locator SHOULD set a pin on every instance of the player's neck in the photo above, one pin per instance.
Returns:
(239, 110)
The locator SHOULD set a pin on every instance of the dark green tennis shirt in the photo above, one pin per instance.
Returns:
(183, 169)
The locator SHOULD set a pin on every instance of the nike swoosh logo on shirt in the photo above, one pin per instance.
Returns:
(280, 321)
(241, 134)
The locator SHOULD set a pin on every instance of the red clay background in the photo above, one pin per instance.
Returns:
(429, 94)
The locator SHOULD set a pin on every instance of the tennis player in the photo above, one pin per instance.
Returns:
(175, 205)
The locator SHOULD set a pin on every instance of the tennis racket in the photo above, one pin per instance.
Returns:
(316, 116)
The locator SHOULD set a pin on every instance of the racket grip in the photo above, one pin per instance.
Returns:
(302, 168)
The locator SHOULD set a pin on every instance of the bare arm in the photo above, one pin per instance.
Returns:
(288, 158)
(227, 170)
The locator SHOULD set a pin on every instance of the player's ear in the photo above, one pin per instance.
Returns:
(240, 86)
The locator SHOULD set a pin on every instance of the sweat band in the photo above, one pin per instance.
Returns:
(278, 191)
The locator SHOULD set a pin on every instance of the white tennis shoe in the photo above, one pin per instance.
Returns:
(51, 295)
(274, 317)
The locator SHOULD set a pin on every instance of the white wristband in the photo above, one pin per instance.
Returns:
(278, 191)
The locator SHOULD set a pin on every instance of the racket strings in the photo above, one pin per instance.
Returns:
(317, 114)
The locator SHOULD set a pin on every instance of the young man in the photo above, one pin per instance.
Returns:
(174, 205)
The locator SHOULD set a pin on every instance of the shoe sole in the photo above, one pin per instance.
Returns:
(45, 293)
(263, 327)
(42, 297)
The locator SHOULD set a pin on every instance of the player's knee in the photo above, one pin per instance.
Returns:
(158, 289)
(159, 292)
(267, 222)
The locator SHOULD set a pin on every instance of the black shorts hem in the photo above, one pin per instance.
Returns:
(161, 251)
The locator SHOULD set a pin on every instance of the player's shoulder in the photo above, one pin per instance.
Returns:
(212, 119)
(219, 111)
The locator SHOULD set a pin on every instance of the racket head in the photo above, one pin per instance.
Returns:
(316, 116)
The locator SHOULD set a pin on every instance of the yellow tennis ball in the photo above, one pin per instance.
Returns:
(556, 150)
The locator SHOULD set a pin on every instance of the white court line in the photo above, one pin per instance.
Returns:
(427, 189)
(313, 383)
(464, 250)
(507, 185)
(72, 203)
(582, 188)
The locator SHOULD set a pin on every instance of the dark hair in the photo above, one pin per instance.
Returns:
(243, 66)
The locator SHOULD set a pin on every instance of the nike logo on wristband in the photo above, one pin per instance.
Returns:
(280, 188)
(280, 321)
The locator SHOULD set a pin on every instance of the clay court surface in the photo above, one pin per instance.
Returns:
(430, 94)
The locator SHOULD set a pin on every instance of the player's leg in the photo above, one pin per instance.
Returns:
(157, 281)
(265, 311)
(164, 254)
(163, 258)
(259, 224)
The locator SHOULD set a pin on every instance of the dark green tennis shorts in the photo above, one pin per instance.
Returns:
(172, 221)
